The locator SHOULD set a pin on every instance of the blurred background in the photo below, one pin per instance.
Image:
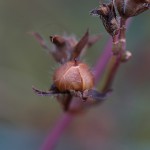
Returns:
(122, 122)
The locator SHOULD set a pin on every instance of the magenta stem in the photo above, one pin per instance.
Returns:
(102, 61)
(66, 118)
(105, 57)
(57, 131)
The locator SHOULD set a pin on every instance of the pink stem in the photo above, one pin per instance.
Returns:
(104, 58)
(66, 118)
(102, 61)
(55, 134)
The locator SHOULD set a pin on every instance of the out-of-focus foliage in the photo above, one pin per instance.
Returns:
(122, 122)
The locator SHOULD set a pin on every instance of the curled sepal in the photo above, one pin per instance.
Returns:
(95, 12)
(56, 55)
(95, 95)
(44, 93)
(58, 40)
(80, 46)
(90, 94)
(61, 48)
(40, 40)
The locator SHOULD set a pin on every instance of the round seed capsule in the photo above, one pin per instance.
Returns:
(73, 76)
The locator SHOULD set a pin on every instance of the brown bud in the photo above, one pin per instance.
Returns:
(73, 76)
(130, 8)
(108, 16)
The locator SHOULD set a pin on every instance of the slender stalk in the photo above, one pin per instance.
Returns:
(100, 66)
(103, 60)
(112, 68)
(67, 117)
(119, 47)
(57, 131)
(122, 35)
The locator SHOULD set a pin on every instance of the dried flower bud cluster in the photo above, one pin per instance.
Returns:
(61, 45)
(108, 16)
(126, 9)
(73, 76)
(130, 8)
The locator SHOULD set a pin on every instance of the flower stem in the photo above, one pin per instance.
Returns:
(105, 59)
(57, 131)
(119, 47)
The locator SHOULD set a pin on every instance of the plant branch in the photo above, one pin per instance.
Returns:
(57, 131)
(102, 61)
(66, 118)
(119, 48)
(105, 59)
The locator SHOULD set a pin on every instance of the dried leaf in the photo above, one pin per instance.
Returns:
(63, 48)
(80, 45)
(131, 8)
(40, 40)
(58, 40)
(43, 93)
(97, 95)
(108, 16)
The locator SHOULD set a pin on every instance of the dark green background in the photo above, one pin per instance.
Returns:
(122, 122)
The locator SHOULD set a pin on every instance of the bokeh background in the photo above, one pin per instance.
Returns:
(122, 122)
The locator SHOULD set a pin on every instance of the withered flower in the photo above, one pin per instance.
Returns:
(130, 8)
(108, 16)
(73, 78)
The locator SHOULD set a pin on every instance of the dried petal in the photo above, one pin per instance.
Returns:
(80, 45)
(43, 93)
(131, 8)
(40, 40)
(108, 16)
(95, 95)
(58, 40)
(62, 48)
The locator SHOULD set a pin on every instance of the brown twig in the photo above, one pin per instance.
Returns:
(119, 47)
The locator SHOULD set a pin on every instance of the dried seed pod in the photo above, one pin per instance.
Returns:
(130, 8)
(108, 16)
(73, 76)
(72, 79)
